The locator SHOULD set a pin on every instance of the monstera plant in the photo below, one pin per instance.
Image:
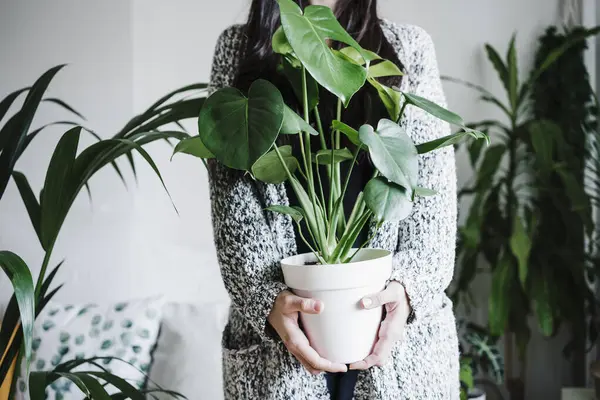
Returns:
(68, 173)
(241, 130)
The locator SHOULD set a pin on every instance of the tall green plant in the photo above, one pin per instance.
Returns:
(241, 131)
(68, 173)
(504, 224)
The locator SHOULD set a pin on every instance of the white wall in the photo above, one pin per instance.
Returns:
(123, 55)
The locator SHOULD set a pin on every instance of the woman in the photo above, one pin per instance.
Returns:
(266, 354)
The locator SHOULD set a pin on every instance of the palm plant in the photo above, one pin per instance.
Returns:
(506, 224)
(68, 173)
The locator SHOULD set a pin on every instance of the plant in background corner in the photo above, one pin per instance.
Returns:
(506, 223)
(68, 173)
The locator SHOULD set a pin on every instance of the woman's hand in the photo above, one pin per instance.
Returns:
(284, 319)
(397, 309)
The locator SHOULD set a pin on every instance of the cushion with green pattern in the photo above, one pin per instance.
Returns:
(127, 331)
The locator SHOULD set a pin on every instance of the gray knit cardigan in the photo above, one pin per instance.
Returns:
(250, 242)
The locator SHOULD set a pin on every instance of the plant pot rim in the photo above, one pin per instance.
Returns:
(372, 267)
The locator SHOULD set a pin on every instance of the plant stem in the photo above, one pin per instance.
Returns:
(365, 243)
(321, 260)
(42, 275)
(402, 111)
(320, 128)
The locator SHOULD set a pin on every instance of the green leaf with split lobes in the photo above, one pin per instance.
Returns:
(238, 130)
(307, 33)
(268, 168)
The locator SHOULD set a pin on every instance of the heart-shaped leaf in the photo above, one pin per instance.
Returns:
(388, 201)
(268, 168)
(307, 33)
(323, 157)
(193, 146)
(239, 130)
(293, 123)
(392, 151)
(295, 213)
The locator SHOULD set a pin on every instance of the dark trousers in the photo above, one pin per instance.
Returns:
(341, 384)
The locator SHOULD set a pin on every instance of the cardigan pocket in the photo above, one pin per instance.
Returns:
(243, 373)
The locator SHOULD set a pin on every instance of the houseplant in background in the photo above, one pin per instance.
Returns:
(241, 133)
(67, 174)
(507, 223)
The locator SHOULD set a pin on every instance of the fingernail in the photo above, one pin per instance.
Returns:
(318, 306)
(367, 302)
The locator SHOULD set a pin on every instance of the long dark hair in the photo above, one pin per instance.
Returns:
(358, 17)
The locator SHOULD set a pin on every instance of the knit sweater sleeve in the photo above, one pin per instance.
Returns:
(424, 260)
(246, 249)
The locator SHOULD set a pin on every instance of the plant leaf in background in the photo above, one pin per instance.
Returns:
(19, 275)
(392, 152)
(268, 168)
(520, 244)
(307, 34)
(502, 281)
(14, 132)
(239, 130)
(351, 133)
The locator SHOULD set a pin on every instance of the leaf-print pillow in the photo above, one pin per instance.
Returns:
(127, 330)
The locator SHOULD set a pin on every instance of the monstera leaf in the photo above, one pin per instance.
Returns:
(388, 201)
(392, 151)
(307, 34)
(237, 129)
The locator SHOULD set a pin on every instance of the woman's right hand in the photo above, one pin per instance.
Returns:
(284, 319)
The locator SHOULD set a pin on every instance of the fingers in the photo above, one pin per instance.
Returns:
(292, 303)
(393, 293)
(297, 343)
(390, 331)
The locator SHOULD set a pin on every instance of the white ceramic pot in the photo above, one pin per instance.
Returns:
(343, 332)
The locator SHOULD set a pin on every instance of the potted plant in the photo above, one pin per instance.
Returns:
(241, 131)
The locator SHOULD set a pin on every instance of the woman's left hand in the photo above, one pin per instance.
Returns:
(397, 309)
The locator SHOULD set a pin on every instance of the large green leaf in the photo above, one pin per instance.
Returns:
(20, 277)
(388, 201)
(499, 306)
(450, 140)
(393, 152)
(293, 123)
(239, 130)
(269, 169)
(307, 33)
(193, 146)
(520, 245)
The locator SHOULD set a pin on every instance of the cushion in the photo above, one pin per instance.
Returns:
(127, 330)
(188, 353)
